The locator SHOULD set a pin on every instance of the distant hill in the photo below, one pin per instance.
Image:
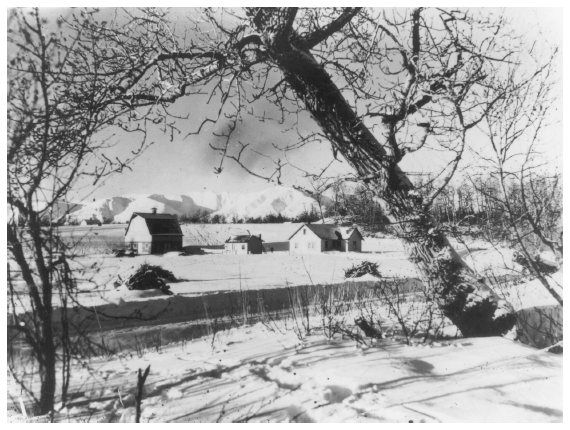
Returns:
(288, 202)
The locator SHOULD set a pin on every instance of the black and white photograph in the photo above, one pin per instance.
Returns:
(284, 214)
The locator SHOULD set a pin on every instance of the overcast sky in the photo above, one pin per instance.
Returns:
(187, 163)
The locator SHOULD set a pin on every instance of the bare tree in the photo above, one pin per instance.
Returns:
(530, 200)
(379, 86)
(53, 113)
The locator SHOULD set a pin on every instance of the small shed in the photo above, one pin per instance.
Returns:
(91, 221)
(153, 233)
(317, 238)
(244, 244)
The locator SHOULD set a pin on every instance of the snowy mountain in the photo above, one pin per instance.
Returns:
(276, 200)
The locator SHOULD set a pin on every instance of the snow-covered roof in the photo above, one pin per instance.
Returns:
(243, 238)
(159, 224)
(329, 231)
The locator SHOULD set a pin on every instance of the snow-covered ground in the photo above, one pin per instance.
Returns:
(217, 234)
(214, 271)
(258, 374)
(266, 373)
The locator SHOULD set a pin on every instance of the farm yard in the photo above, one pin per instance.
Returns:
(214, 332)
(210, 275)
(95, 240)
(210, 271)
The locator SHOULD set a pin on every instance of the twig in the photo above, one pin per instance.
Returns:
(140, 385)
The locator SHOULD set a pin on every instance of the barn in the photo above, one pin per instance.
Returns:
(316, 238)
(244, 244)
(152, 233)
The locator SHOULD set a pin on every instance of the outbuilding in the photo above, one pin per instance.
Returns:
(244, 244)
(153, 233)
(92, 221)
(317, 238)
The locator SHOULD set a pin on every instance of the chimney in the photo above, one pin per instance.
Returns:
(153, 210)
(259, 237)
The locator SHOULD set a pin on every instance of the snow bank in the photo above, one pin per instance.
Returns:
(257, 374)
(533, 293)
(122, 294)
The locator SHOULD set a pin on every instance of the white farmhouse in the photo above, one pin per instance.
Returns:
(316, 238)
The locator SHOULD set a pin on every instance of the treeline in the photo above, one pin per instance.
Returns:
(483, 206)
(203, 217)
(356, 205)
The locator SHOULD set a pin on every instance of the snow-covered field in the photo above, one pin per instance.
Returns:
(216, 272)
(254, 374)
(217, 234)
(274, 373)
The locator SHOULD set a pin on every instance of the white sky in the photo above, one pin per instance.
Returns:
(185, 165)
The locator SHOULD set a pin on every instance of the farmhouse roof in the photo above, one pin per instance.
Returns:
(329, 231)
(242, 238)
(347, 232)
(159, 224)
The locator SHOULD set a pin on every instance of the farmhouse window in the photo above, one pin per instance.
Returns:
(354, 244)
(296, 244)
(305, 231)
(146, 246)
(243, 247)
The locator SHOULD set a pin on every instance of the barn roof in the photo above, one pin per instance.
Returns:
(159, 224)
(329, 231)
(242, 238)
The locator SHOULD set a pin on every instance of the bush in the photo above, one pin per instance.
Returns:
(362, 269)
(149, 277)
(158, 270)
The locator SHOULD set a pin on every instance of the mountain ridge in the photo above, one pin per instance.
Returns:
(285, 201)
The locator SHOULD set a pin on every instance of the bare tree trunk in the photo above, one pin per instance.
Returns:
(45, 346)
(47, 394)
(427, 246)
(141, 379)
